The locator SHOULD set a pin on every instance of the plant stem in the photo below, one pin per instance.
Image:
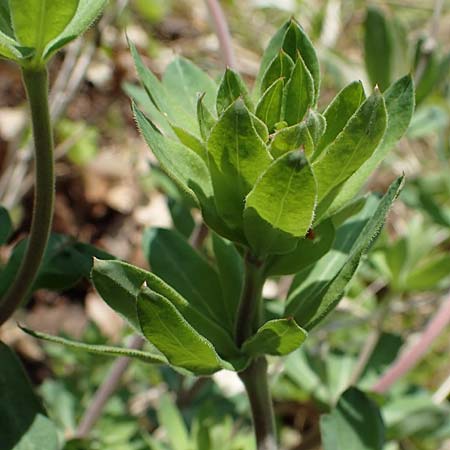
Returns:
(106, 389)
(254, 376)
(248, 311)
(36, 84)
(257, 387)
(408, 359)
(222, 32)
(371, 342)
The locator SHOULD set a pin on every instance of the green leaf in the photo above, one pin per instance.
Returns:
(64, 264)
(186, 80)
(173, 336)
(188, 170)
(237, 157)
(86, 14)
(428, 275)
(231, 88)
(281, 205)
(5, 225)
(308, 251)
(206, 120)
(339, 112)
(8, 48)
(261, 128)
(139, 96)
(150, 358)
(270, 52)
(167, 103)
(181, 216)
(119, 284)
(317, 295)
(172, 258)
(270, 106)
(292, 138)
(170, 418)
(37, 22)
(296, 43)
(24, 424)
(399, 100)
(299, 93)
(277, 337)
(190, 141)
(316, 125)
(5, 19)
(231, 273)
(280, 67)
(379, 51)
(354, 424)
(353, 146)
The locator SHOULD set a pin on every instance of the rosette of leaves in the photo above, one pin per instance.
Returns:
(276, 182)
(31, 31)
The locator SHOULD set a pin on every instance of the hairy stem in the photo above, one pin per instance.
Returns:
(247, 316)
(256, 384)
(36, 84)
(254, 376)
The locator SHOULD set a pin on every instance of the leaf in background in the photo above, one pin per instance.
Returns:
(173, 336)
(307, 252)
(172, 258)
(428, 275)
(65, 263)
(292, 138)
(37, 22)
(314, 296)
(167, 103)
(260, 127)
(171, 420)
(281, 205)
(231, 88)
(181, 216)
(428, 120)
(270, 106)
(295, 43)
(106, 350)
(339, 112)
(299, 93)
(399, 101)
(187, 80)
(231, 273)
(280, 67)
(353, 146)
(119, 284)
(378, 48)
(354, 424)
(5, 20)
(237, 158)
(277, 337)
(270, 52)
(87, 12)
(23, 422)
(5, 225)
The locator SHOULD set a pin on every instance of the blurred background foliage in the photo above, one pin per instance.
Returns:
(108, 193)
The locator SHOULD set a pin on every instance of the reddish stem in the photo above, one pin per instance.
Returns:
(409, 359)
(222, 32)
